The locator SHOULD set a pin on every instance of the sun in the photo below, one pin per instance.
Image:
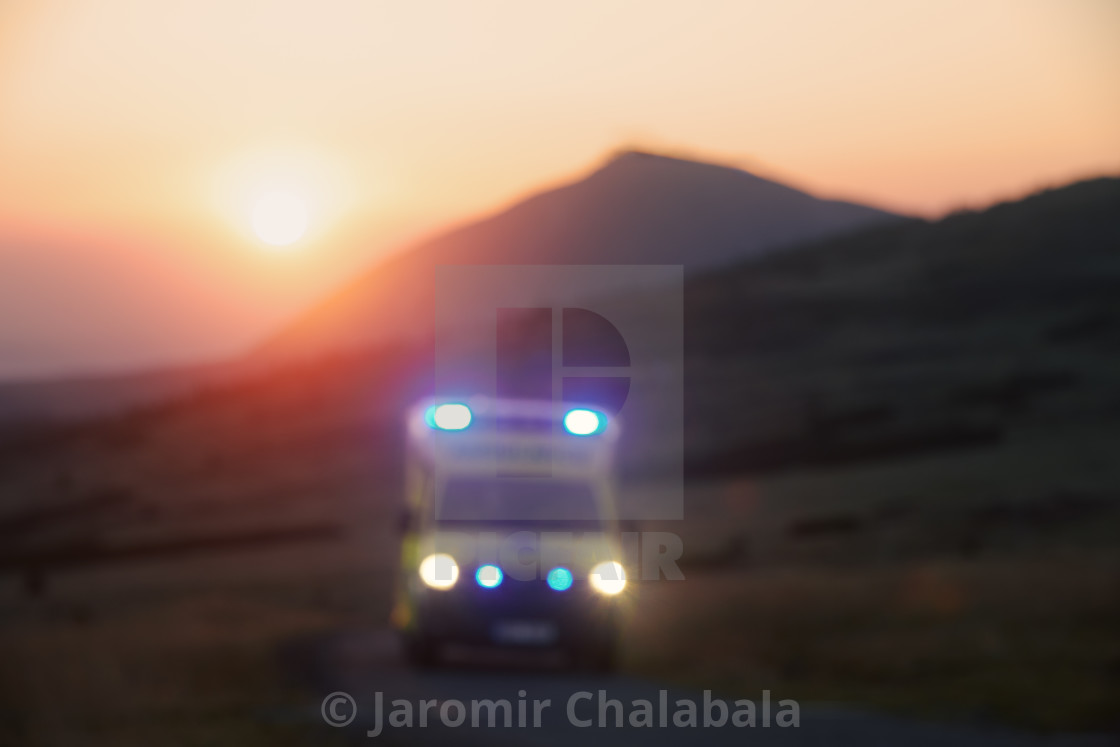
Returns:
(280, 218)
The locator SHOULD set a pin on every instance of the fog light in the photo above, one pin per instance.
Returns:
(488, 576)
(559, 579)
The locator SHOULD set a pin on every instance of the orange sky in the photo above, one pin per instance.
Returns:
(134, 135)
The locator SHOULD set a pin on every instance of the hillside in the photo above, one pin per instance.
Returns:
(900, 466)
(981, 324)
(973, 332)
(638, 208)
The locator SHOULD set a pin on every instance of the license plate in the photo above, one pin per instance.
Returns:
(525, 632)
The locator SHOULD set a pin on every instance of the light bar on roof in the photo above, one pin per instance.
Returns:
(581, 422)
(451, 416)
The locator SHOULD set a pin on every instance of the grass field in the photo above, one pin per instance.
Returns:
(1029, 643)
(1019, 631)
(184, 652)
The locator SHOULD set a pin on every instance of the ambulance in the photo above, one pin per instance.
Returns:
(510, 533)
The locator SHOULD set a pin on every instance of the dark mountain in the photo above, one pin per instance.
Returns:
(638, 208)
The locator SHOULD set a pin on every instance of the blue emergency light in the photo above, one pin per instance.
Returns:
(580, 422)
(448, 417)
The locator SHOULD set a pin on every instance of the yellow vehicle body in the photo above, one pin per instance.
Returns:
(510, 534)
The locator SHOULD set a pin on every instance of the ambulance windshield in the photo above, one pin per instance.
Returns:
(518, 499)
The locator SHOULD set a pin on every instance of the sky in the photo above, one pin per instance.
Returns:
(137, 139)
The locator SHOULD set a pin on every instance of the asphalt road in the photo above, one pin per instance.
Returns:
(349, 670)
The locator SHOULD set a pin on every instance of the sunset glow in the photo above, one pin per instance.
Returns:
(152, 130)
(279, 218)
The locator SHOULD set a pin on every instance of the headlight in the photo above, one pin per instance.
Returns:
(608, 578)
(439, 571)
